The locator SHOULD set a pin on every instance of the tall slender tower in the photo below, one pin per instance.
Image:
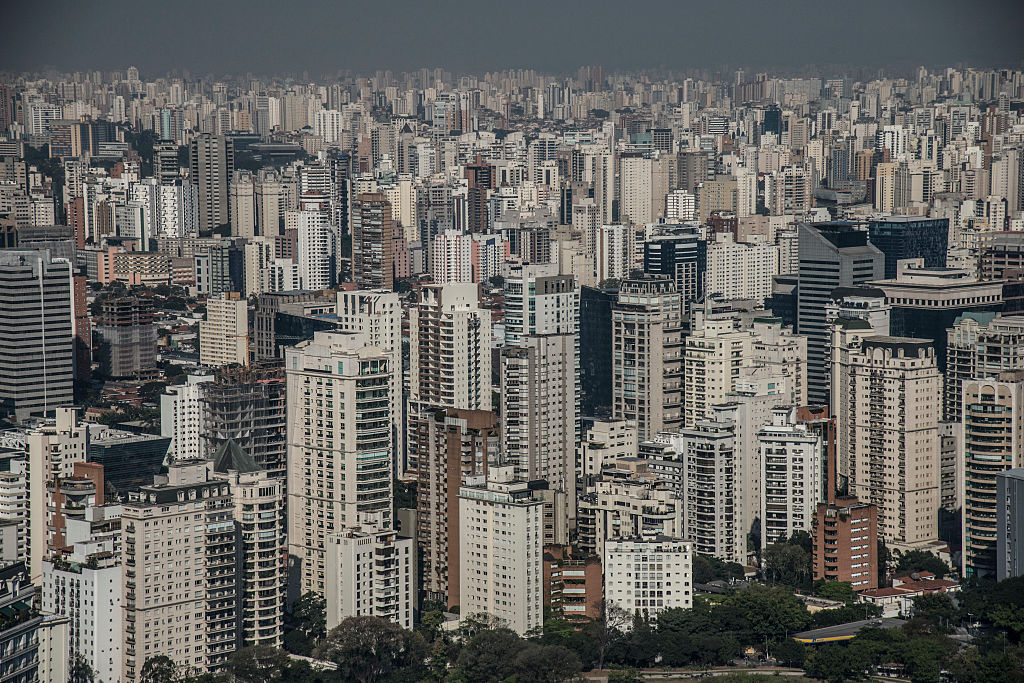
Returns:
(647, 365)
(212, 160)
(373, 233)
(339, 446)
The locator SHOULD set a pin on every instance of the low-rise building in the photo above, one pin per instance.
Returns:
(646, 575)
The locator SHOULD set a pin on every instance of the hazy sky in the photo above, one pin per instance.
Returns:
(321, 36)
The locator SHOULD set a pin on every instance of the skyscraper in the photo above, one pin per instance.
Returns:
(889, 420)
(992, 439)
(373, 234)
(455, 444)
(212, 160)
(905, 237)
(126, 336)
(647, 364)
(338, 423)
(36, 333)
(831, 255)
(680, 255)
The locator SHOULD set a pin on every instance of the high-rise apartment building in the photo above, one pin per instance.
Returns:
(258, 503)
(456, 444)
(203, 575)
(979, 344)
(501, 550)
(713, 354)
(37, 331)
(370, 572)
(792, 476)
(246, 404)
(317, 244)
(889, 419)
(540, 417)
(373, 242)
(831, 255)
(212, 160)
(224, 335)
(183, 606)
(647, 357)
(707, 452)
(339, 445)
(449, 351)
(992, 438)
(378, 315)
(740, 270)
(539, 300)
(181, 417)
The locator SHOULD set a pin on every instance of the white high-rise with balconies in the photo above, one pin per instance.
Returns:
(792, 476)
(501, 550)
(339, 444)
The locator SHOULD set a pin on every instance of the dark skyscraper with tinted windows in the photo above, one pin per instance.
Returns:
(905, 237)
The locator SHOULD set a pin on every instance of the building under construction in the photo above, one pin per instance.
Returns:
(125, 336)
(247, 404)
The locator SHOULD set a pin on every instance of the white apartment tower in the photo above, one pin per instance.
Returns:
(713, 354)
(370, 573)
(792, 476)
(339, 444)
(740, 270)
(378, 315)
(890, 416)
(645, 576)
(501, 550)
(450, 348)
(708, 456)
(181, 417)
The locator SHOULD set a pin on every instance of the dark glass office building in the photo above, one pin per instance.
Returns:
(596, 349)
(129, 460)
(680, 254)
(905, 237)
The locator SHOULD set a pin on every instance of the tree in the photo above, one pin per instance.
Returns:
(625, 676)
(840, 591)
(306, 625)
(707, 568)
(787, 563)
(369, 649)
(925, 658)
(607, 629)
(921, 561)
(770, 610)
(937, 608)
(835, 663)
(258, 664)
(159, 669)
(80, 671)
(789, 653)
(489, 655)
(545, 664)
